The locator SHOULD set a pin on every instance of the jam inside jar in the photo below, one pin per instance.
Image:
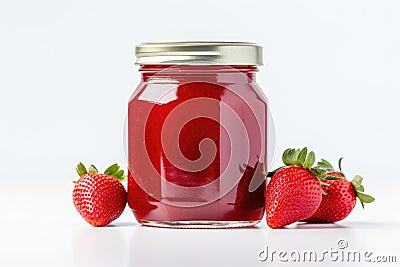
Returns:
(197, 137)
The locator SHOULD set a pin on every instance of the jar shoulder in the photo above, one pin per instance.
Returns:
(170, 90)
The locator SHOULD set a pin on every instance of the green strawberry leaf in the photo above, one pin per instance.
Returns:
(81, 169)
(356, 182)
(325, 165)
(285, 156)
(120, 175)
(317, 172)
(296, 156)
(112, 169)
(301, 157)
(364, 198)
(92, 169)
(360, 188)
(310, 160)
(330, 177)
(340, 164)
(288, 156)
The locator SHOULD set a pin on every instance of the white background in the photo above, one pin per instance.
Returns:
(66, 73)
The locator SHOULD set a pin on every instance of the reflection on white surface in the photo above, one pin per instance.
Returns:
(164, 247)
(53, 234)
(99, 247)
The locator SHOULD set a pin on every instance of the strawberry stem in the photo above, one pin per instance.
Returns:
(306, 160)
(113, 170)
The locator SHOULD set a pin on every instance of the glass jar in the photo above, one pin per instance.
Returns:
(197, 136)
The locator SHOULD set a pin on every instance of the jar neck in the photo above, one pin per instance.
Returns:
(188, 73)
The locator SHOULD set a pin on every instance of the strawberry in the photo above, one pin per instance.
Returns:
(340, 197)
(294, 191)
(99, 198)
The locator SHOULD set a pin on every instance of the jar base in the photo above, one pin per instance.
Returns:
(200, 224)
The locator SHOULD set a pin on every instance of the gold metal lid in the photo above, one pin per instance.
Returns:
(210, 53)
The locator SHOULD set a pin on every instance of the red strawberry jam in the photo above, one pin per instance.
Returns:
(197, 146)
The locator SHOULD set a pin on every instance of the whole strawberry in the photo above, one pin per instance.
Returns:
(340, 197)
(294, 191)
(99, 198)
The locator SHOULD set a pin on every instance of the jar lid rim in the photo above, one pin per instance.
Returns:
(199, 52)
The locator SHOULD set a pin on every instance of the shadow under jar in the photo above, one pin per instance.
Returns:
(197, 136)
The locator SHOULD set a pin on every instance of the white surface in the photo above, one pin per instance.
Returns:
(47, 231)
(66, 73)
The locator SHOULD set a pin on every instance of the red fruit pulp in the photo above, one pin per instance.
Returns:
(196, 144)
